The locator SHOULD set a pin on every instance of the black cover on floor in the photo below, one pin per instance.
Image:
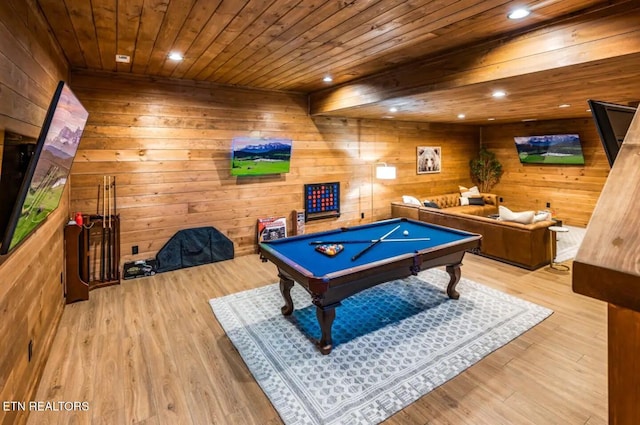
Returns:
(193, 247)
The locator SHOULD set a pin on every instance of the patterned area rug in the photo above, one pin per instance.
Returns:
(392, 344)
(568, 243)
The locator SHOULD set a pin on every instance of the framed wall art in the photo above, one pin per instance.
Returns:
(429, 159)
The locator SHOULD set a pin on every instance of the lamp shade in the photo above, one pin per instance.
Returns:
(385, 172)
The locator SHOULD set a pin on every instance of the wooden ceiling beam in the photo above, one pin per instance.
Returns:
(597, 36)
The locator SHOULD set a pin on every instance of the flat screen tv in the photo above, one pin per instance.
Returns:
(556, 149)
(49, 167)
(612, 122)
(255, 157)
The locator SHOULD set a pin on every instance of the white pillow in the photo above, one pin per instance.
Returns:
(464, 200)
(471, 192)
(542, 216)
(411, 200)
(524, 217)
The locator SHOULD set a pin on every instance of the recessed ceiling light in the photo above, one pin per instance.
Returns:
(588, 110)
(327, 79)
(461, 116)
(518, 13)
(175, 56)
(499, 93)
(564, 105)
(491, 119)
(529, 119)
(393, 109)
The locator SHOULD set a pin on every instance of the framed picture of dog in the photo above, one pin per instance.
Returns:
(429, 159)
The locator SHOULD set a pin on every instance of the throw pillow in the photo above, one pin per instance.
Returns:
(410, 200)
(542, 216)
(524, 217)
(464, 200)
(430, 204)
(476, 201)
(469, 192)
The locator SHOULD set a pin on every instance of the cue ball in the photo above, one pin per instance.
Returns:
(406, 233)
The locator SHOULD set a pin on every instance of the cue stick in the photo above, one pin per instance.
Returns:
(115, 267)
(116, 230)
(111, 245)
(355, 257)
(109, 255)
(112, 228)
(369, 241)
(94, 274)
(102, 242)
(87, 228)
(98, 204)
(115, 199)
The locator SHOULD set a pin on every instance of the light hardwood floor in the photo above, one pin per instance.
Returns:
(150, 351)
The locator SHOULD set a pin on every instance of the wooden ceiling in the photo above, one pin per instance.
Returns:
(429, 59)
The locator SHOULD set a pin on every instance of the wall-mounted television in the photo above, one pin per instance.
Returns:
(612, 122)
(251, 156)
(556, 149)
(48, 170)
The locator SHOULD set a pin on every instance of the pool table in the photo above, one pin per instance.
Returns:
(363, 263)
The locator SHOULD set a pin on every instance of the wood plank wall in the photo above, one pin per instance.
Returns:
(31, 293)
(572, 190)
(168, 143)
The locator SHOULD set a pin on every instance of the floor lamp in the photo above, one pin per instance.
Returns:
(382, 172)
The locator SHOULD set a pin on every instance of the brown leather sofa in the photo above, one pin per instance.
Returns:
(451, 202)
(523, 245)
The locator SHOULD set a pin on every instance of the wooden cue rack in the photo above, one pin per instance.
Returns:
(92, 253)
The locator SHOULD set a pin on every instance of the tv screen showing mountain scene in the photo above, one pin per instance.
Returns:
(49, 167)
(255, 157)
(550, 149)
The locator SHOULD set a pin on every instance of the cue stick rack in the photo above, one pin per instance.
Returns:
(93, 248)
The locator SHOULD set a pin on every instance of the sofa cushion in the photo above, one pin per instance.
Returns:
(490, 199)
(411, 200)
(428, 203)
(524, 217)
(469, 191)
(447, 200)
(542, 216)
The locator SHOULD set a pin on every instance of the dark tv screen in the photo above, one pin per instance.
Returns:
(48, 169)
(612, 122)
(557, 149)
(255, 157)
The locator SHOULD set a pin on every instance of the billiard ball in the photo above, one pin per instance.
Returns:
(406, 233)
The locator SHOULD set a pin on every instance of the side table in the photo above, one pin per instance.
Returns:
(554, 230)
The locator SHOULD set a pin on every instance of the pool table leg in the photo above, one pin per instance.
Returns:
(325, 317)
(454, 274)
(285, 289)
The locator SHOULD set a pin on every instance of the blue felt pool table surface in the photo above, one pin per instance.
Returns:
(300, 251)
